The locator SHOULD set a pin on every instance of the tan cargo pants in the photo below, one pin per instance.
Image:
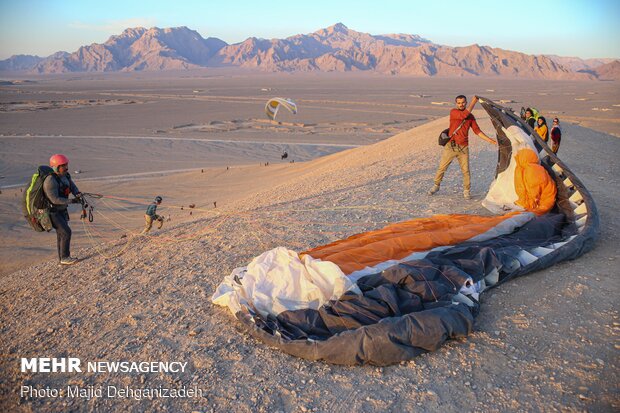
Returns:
(461, 153)
(148, 221)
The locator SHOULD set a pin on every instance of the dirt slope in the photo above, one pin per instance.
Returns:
(544, 342)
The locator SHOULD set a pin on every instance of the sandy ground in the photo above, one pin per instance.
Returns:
(135, 157)
(544, 342)
(123, 213)
(148, 104)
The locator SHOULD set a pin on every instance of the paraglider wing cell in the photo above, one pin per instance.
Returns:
(273, 105)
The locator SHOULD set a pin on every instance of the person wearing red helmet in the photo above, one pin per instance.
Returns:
(57, 187)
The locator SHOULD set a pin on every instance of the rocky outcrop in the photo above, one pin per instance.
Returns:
(19, 62)
(577, 64)
(609, 71)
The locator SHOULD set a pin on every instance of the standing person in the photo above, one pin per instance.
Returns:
(541, 128)
(529, 118)
(151, 215)
(57, 187)
(461, 119)
(556, 135)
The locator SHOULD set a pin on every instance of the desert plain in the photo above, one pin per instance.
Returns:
(362, 152)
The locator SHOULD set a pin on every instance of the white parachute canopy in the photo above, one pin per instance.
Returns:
(273, 105)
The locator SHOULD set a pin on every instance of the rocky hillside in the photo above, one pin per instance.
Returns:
(609, 71)
(333, 49)
(339, 49)
(540, 341)
(576, 64)
(138, 49)
(19, 62)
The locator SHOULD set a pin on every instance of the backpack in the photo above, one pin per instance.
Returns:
(35, 204)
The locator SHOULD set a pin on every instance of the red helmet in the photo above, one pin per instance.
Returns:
(57, 160)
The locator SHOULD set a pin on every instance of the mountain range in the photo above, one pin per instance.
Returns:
(333, 49)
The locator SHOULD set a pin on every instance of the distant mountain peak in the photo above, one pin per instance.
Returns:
(132, 32)
(336, 30)
(338, 27)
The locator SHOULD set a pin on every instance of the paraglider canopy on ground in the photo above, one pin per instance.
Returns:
(388, 295)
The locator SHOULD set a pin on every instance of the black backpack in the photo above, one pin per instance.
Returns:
(35, 204)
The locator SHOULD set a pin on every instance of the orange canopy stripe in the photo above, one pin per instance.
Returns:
(397, 241)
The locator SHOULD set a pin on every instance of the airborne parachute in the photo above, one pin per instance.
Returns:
(273, 105)
(388, 295)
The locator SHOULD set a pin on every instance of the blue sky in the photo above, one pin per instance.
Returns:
(569, 28)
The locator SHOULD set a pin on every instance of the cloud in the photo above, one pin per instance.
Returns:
(114, 26)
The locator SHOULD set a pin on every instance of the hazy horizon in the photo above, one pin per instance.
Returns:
(585, 30)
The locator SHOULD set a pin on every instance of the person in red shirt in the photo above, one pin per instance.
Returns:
(458, 147)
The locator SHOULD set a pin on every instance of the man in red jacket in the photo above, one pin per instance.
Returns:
(458, 147)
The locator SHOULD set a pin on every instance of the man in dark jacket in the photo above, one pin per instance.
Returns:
(529, 118)
(57, 187)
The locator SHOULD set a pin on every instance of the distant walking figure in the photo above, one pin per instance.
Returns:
(151, 215)
(461, 119)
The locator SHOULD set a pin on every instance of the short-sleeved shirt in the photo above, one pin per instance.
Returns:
(456, 117)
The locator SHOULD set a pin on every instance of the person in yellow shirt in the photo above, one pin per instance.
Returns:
(541, 128)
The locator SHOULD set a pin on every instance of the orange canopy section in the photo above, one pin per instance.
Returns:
(397, 241)
(535, 188)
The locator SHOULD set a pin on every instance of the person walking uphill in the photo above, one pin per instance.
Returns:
(461, 120)
(57, 187)
(151, 215)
